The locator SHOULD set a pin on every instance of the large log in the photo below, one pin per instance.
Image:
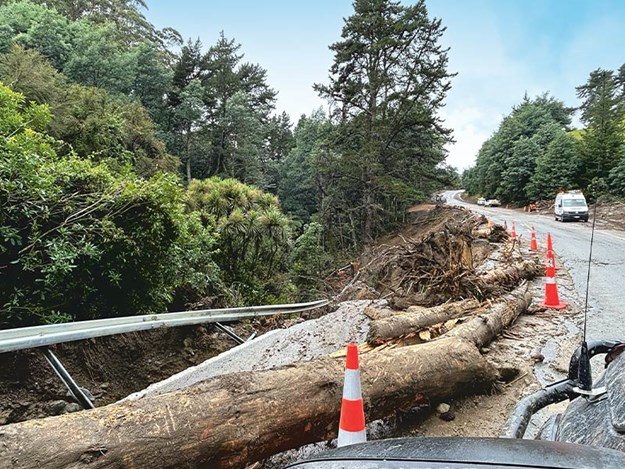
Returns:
(239, 418)
(482, 329)
(417, 319)
(512, 274)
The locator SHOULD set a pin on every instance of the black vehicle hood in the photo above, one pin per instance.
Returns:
(471, 452)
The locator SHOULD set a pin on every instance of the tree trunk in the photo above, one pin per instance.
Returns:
(416, 319)
(484, 328)
(513, 274)
(188, 148)
(239, 418)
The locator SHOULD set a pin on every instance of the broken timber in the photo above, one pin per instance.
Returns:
(489, 320)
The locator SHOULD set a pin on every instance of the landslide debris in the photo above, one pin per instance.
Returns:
(435, 260)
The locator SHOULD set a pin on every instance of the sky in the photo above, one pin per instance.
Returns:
(500, 50)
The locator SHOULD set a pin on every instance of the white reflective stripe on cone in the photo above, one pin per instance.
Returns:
(351, 385)
(351, 438)
(550, 280)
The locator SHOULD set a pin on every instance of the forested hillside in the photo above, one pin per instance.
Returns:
(535, 152)
(141, 171)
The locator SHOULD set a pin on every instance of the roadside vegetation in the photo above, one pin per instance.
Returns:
(142, 172)
(536, 153)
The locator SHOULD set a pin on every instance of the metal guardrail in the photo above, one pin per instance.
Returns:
(39, 336)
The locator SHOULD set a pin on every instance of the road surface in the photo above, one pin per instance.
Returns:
(571, 244)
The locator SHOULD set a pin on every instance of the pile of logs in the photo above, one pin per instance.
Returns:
(235, 419)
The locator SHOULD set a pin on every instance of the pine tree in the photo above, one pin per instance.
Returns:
(556, 169)
(603, 112)
(388, 80)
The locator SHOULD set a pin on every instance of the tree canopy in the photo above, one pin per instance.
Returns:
(512, 164)
(388, 80)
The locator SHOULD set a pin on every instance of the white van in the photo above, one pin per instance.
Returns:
(570, 205)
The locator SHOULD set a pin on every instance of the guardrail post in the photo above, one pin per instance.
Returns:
(68, 381)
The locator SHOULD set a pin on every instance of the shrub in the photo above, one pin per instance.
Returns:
(80, 241)
(253, 237)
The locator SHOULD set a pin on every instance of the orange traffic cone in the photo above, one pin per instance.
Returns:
(552, 299)
(352, 422)
(513, 232)
(552, 258)
(549, 243)
(533, 243)
(550, 269)
(550, 252)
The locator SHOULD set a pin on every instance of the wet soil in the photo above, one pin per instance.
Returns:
(109, 368)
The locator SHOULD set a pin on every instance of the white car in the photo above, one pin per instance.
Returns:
(481, 201)
(492, 203)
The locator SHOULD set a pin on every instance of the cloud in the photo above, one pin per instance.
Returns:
(470, 131)
(489, 82)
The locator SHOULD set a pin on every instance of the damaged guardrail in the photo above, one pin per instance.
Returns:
(40, 336)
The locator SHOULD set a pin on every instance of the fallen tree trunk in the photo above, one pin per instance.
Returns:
(501, 315)
(405, 323)
(239, 418)
(509, 275)
(482, 329)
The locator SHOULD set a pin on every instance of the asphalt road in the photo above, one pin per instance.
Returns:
(571, 244)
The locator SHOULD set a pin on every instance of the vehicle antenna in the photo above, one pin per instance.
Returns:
(592, 237)
(584, 376)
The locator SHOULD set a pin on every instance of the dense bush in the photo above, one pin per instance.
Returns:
(309, 261)
(253, 238)
(78, 240)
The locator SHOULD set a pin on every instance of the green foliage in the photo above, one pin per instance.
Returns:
(507, 161)
(603, 112)
(79, 241)
(616, 179)
(153, 79)
(107, 44)
(27, 71)
(298, 189)
(557, 168)
(253, 237)
(91, 121)
(102, 127)
(243, 141)
(97, 59)
(34, 26)
(309, 261)
(126, 15)
(388, 80)
(222, 124)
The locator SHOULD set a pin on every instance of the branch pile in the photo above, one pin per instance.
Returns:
(439, 266)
